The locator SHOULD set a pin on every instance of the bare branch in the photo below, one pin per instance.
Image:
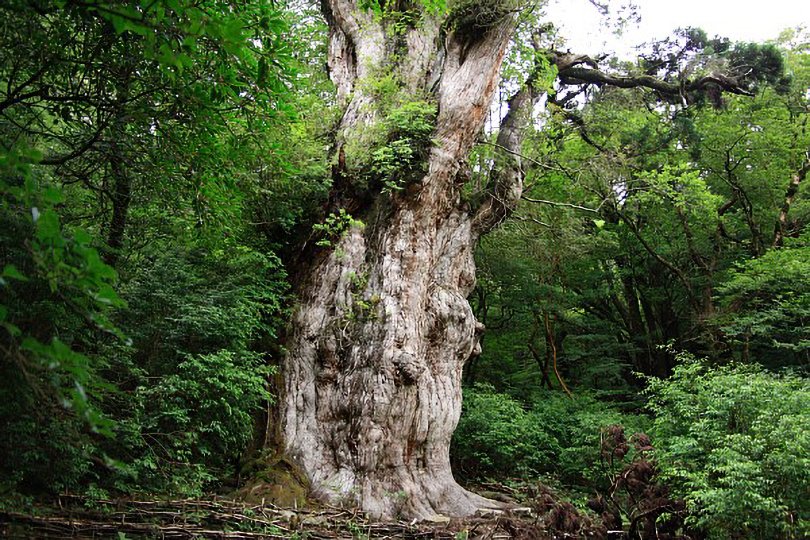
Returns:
(521, 156)
(563, 204)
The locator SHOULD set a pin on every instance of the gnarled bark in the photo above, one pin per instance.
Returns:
(383, 328)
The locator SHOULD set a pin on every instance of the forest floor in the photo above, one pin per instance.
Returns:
(75, 517)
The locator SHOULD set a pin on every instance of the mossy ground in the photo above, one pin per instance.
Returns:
(275, 480)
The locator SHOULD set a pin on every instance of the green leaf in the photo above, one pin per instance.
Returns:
(52, 195)
(10, 271)
(48, 225)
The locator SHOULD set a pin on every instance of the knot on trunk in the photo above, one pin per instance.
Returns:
(408, 368)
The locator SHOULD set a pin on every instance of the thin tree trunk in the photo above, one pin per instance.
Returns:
(639, 336)
(121, 194)
(121, 197)
(552, 347)
(780, 230)
(543, 361)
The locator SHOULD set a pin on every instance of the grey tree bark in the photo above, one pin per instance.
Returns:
(383, 327)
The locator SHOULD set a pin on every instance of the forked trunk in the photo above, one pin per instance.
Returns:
(383, 327)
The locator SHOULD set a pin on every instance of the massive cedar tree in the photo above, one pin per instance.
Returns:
(383, 326)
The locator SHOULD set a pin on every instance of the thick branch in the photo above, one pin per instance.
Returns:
(580, 75)
(677, 272)
(506, 186)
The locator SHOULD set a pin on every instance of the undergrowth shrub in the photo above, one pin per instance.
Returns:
(194, 375)
(733, 442)
(577, 424)
(54, 289)
(499, 437)
(179, 395)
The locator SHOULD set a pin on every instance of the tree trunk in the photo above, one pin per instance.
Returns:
(383, 327)
(780, 230)
(121, 197)
(121, 194)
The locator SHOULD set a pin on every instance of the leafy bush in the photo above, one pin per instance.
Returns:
(151, 203)
(767, 303)
(54, 287)
(196, 380)
(498, 437)
(408, 128)
(733, 442)
(577, 424)
(179, 396)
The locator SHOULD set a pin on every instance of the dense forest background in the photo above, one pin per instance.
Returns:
(166, 165)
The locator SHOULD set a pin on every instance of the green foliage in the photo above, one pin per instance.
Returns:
(577, 424)
(363, 304)
(197, 380)
(399, 17)
(392, 151)
(49, 391)
(499, 437)
(751, 65)
(57, 273)
(334, 226)
(767, 303)
(42, 453)
(653, 224)
(666, 202)
(733, 442)
(133, 300)
(527, 273)
(408, 129)
(192, 425)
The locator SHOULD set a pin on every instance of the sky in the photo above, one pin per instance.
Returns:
(740, 20)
